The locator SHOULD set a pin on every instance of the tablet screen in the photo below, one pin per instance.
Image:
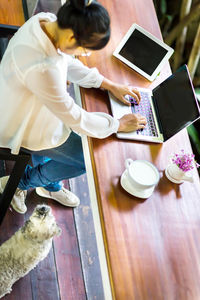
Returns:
(143, 52)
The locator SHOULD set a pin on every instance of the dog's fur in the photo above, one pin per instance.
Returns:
(27, 247)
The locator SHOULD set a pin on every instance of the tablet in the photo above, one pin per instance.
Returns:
(143, 52)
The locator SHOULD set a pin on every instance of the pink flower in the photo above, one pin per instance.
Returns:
(184, 161)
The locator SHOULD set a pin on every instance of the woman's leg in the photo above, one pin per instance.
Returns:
(53, 165)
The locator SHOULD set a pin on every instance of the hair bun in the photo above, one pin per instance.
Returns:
(80, 4)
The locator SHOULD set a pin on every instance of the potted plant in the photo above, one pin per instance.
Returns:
(181, 165)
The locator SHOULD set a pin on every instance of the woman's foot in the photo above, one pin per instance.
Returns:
(18, 201)
(63, 196)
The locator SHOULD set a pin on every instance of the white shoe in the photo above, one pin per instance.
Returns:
(18, 201)
(63, 196)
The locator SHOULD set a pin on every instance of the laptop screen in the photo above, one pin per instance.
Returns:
(143, 52)
(175, 103)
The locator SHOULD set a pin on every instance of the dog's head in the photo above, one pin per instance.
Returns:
(41, 224)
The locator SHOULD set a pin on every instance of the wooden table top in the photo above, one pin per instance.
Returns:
(152, 245)
(11, 12)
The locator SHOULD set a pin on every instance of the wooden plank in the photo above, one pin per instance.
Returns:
(44, 283)
(67, 255)
(86, 233)
(87, 240)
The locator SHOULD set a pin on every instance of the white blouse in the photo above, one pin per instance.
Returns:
(36, 111)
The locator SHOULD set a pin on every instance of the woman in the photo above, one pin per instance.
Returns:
(41, 117)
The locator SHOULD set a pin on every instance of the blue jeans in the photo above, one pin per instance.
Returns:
(53, 165)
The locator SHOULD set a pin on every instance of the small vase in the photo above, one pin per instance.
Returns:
(176, 175)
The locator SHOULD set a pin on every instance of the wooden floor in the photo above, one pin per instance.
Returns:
(58, 274)
(71, 270)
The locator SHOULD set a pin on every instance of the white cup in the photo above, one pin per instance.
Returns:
(142, 175)
(175, 174)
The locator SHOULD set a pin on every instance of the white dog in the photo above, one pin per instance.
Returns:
(27, 247)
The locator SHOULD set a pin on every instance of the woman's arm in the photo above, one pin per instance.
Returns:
(48, 85)
(80, 74)
(90, 77)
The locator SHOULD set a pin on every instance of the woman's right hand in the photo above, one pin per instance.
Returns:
(131, 122)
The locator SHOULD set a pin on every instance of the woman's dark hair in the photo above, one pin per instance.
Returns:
(89, 23)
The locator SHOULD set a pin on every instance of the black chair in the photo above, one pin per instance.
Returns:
(21, 160)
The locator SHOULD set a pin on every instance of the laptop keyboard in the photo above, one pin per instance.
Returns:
(144, 108)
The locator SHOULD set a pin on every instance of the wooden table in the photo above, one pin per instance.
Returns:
(153, 245)
(13, 12)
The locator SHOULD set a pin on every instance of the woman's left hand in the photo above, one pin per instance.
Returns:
(120, 91)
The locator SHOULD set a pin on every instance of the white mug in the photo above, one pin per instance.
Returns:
(142, 174)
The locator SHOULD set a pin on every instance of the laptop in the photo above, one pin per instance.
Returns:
(136, 49)
(168, 108)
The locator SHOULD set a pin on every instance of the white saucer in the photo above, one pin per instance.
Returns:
(171, 178)
(144, 194)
